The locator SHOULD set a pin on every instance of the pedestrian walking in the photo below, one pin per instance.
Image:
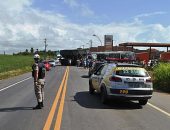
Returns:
(78, 63)
(38, 73)
(36, 52)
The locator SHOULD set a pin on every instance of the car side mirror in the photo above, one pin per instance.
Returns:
(96, 73)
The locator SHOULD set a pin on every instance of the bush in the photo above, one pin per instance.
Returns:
(162, 77)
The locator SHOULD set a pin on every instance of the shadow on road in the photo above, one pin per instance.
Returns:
(85, 76)
(15, 109)
(86, 100)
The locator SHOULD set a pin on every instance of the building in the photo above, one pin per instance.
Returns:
(114, 48)
(150, 53)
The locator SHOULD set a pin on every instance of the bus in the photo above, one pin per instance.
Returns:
(114, 56)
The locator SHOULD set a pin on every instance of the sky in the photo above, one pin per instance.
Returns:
(69, 24)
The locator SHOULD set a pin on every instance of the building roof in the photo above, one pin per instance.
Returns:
(144, 44)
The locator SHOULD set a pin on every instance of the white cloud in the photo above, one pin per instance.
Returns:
(72, 3)
(86, 11)
(151, 14)
(15, 5)
(27, 27)
(138, 17)
(81, 8)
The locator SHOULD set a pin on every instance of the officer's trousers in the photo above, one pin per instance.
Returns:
(39, 90)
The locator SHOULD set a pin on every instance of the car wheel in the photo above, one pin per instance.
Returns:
(89, 74)
(143, 102)
(104, 98)
(91, 89)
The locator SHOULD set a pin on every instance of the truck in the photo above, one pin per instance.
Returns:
(70, 57)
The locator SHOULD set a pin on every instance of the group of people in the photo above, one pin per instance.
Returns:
(86, 63)
(149, 64)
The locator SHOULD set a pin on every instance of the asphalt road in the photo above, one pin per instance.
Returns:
(69, 106)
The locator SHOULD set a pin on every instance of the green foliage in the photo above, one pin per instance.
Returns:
(162, 77)
(32, 50)
(10, 63)
(49, 53)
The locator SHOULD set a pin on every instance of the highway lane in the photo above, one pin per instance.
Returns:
(16, 102)
(84, 111)
(80, 109)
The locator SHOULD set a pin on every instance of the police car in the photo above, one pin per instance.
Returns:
(122, 81)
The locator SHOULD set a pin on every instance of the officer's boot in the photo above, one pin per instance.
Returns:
(38, 106)
(42, 104)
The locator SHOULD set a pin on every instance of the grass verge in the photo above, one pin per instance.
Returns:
(14, 65)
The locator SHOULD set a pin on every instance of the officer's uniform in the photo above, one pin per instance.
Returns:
(39, 90)
(39, 83)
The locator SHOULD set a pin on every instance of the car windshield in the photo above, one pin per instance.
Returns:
(51, 61)
(131, 71)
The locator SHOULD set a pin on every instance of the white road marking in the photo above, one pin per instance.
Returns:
(159, 109)
(14, 84)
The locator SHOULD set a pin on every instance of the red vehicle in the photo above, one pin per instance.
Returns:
(47, 65)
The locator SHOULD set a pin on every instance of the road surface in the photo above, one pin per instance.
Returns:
(69, 106)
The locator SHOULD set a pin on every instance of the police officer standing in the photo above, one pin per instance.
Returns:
(38, 73)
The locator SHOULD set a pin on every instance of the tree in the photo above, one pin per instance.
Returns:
(32, 50)
(26, 50)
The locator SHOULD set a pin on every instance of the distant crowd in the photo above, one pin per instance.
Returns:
(86, 63)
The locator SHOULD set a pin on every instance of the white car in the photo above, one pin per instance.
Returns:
(57, 61)
(52, 63)
(122, 81)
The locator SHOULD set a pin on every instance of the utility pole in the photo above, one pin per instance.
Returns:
(91, 42)
(45, 41)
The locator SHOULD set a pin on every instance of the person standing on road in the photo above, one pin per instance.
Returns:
(38, 73)
(78, 63)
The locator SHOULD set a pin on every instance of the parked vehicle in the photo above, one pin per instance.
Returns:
(57, 61)
(115, 55)
(52, 63)
(122, 81)
(72, 55)
(47, 65)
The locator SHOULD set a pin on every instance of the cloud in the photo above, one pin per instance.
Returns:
(86, 11)
(71, 3)
(15, 5)
(150, 14)
(138, 17)
(81, 8)
(27, 27)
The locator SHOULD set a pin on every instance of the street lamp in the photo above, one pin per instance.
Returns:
(98, 38)
(90, 43)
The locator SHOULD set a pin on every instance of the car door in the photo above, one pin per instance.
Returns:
(101, 77)
(97, 78)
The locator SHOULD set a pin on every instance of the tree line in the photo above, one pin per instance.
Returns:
(40, 52)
